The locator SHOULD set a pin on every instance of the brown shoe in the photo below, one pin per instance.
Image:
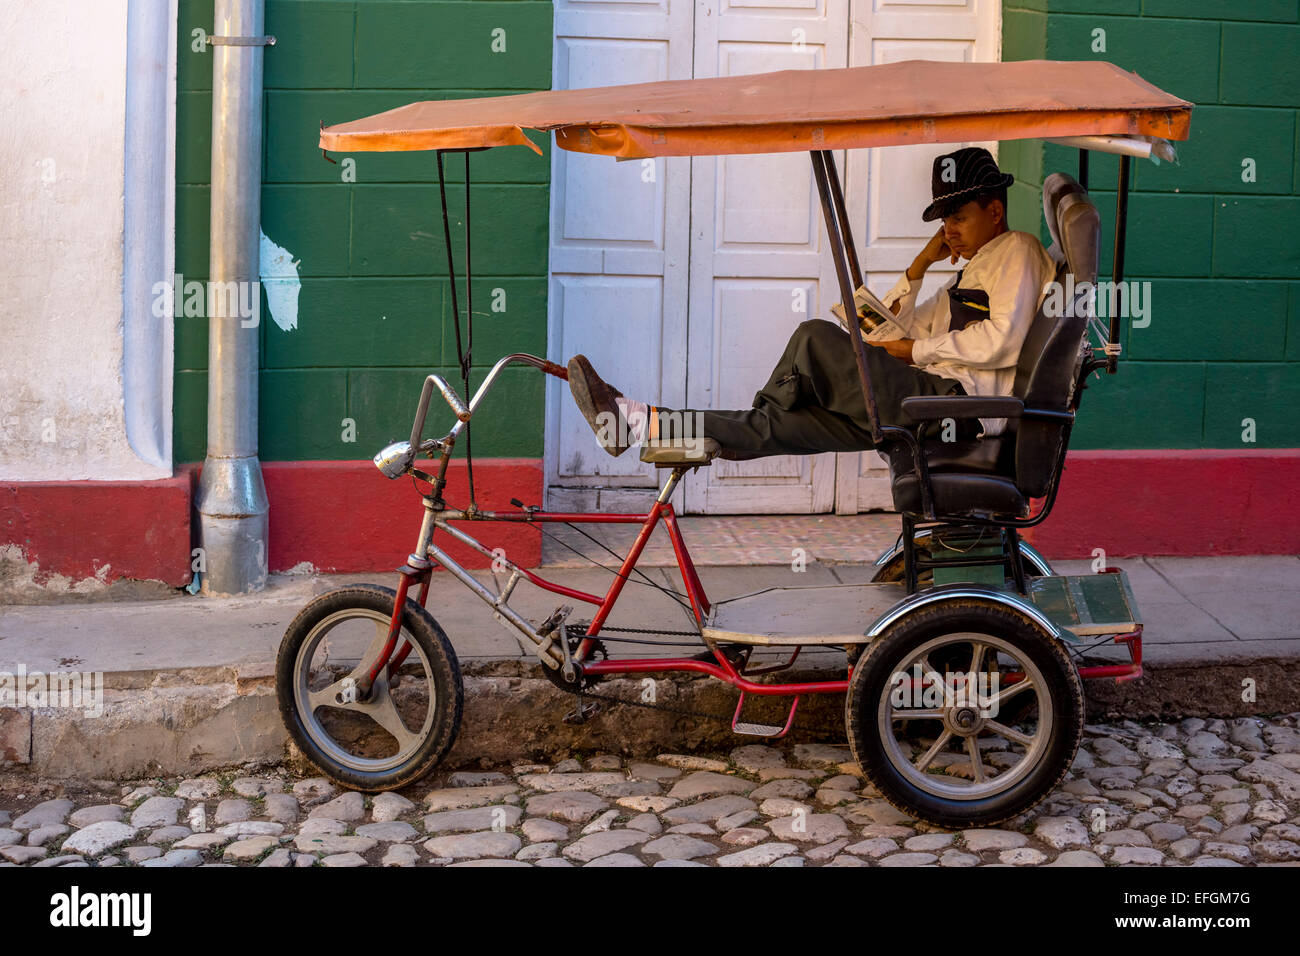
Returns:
(595, 399)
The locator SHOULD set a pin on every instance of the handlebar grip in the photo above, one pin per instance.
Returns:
(457, 406)
(550, 368)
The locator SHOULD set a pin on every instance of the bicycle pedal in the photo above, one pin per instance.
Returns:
(557, 617)
(583, 714)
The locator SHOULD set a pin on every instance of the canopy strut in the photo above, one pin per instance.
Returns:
(847, 271)
(463, 354)
(840, 234)
(1117, 262)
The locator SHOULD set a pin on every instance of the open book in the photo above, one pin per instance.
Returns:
(875, 320)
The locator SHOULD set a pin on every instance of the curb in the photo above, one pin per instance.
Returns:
(206, 719)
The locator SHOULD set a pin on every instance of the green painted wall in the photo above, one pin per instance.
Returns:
(375, 309)
(1222, 254)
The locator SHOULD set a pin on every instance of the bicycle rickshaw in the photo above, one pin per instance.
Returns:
(963, 694)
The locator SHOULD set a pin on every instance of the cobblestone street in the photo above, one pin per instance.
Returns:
(1196, 793)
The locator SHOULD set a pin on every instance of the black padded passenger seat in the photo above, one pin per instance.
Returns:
(998, 475)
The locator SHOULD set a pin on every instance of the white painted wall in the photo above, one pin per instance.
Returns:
(68, 386)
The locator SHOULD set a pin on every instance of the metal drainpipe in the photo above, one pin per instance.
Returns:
(232, 503)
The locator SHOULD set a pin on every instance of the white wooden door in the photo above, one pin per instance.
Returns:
(682, 279)
(887, 188)
(759, 264)
(618, 251)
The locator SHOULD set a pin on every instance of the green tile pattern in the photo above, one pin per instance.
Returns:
(374, 308)
(1216, 361)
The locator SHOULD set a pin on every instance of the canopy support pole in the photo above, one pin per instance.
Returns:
(842, 218)
(1117, 265)
(463, 356)
(846, 267)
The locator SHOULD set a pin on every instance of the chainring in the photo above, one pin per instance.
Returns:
(574, 634)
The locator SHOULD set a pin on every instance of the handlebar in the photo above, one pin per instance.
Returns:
(464, 413)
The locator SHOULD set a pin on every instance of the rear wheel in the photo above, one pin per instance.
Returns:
(972, 743)
(405, 725)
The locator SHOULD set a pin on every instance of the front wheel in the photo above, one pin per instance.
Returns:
(408, 721)
(965, 713)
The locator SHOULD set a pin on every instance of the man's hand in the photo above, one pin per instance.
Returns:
(936, 250)
(898, 348)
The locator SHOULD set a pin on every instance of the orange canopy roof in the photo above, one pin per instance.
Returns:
(915, 101)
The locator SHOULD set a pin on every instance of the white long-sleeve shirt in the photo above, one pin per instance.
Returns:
(1015, 270)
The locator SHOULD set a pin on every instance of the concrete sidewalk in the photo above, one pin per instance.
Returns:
(1195, 610)
(197, 671)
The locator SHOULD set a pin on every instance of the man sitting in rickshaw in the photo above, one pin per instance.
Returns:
(964, 340)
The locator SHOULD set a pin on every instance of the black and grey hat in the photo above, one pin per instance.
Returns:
(963, 173)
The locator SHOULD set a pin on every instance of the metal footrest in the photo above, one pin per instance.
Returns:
(761, 730)
(1087, 604)
(675, 452)
(758, 730)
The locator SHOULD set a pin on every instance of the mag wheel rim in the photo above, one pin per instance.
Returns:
(326, 669)
(938, 719)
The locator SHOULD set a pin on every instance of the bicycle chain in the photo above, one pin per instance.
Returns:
(631, 630)
(581, 627)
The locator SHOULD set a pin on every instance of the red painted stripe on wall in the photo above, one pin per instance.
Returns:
(1145, 502)
(100, 529)
(345, 516)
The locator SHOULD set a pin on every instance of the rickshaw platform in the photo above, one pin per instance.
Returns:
(809, 615)
(1085, 605)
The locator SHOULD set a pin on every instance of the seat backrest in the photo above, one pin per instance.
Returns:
(1065, 206)
(1050, 358)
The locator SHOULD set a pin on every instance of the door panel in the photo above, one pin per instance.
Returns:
(758, 258)
(682, 279)
(618, 241)
(887, 188)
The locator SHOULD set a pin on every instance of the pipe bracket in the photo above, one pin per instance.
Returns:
(240, 41)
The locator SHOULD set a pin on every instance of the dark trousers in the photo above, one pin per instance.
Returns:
(812, 401)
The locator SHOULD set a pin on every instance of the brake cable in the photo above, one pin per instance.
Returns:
(676, 596)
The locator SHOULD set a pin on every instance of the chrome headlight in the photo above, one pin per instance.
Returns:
(395, 459)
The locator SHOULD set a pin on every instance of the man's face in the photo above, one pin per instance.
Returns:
(967, 229)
